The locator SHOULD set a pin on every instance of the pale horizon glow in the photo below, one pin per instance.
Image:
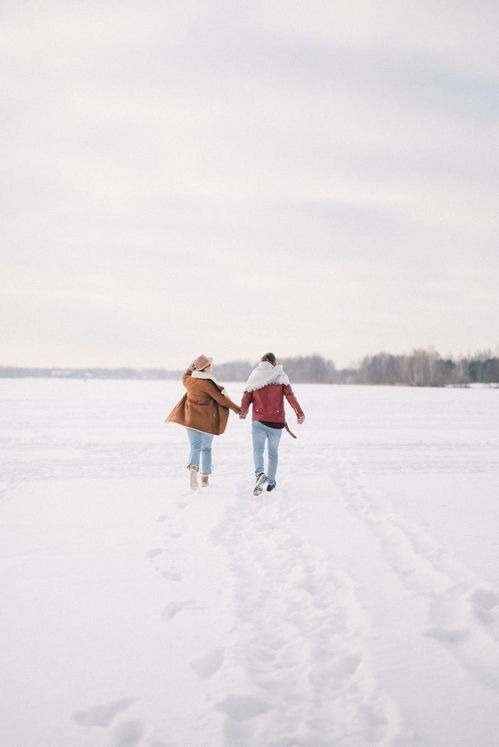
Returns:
(192, 177)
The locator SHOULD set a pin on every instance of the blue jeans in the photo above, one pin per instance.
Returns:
(262, 433)
(200, 449)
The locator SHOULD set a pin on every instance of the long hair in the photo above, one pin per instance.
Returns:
(270, 357)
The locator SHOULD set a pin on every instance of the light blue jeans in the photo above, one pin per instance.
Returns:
(200, 449)
(262, 433)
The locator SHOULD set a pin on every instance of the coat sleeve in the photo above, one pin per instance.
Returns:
(186, 375)
(221, 399)
(245, 403)
(289, 394)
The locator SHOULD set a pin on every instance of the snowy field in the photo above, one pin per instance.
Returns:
(358, 604)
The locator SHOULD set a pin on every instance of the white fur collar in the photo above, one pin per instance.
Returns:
(203, 375)
(265, 373)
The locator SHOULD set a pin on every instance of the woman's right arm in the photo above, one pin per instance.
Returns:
(222, 400)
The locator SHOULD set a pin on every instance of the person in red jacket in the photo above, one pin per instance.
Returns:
(266, 388)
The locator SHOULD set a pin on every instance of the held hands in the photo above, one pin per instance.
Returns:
(300, 419)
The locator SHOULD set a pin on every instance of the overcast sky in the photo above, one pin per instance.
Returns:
(235, 177)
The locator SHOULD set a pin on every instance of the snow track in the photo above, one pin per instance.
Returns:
(301, 638)
(462, 609)
(355, 605)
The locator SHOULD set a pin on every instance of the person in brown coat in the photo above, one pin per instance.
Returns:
(204, 411)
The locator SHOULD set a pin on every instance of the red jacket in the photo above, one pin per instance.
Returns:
(268, 403)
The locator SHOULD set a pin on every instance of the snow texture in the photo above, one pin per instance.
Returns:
(357, 604)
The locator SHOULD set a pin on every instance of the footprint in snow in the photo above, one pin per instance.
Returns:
(102, 715)
(448, 635)
(127, 734)
(375, 725)
(486, 605)
(171, 610)
(154, 552)
(207, 665)
(242, 707)
(171, 575)
(181, 504)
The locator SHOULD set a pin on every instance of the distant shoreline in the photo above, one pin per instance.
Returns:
(12, 372)
(164, 375)
(419, 368)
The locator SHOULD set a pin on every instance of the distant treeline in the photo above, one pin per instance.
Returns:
(424, 368)
(309, 368)
(419, 368)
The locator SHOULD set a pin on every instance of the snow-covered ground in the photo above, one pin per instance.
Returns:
(357, 604)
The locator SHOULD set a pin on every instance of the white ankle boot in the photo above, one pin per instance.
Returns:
(193, 473)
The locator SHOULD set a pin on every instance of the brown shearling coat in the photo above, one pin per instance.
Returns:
(203, 407)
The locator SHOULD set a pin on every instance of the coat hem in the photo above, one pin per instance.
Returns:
(208, 433)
